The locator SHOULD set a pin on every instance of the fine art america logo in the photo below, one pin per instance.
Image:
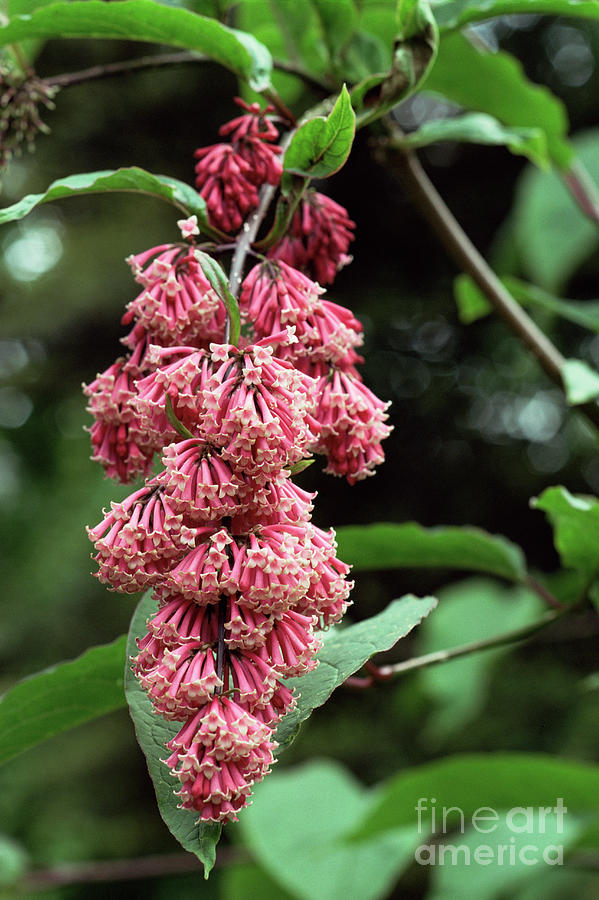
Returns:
(522, 835)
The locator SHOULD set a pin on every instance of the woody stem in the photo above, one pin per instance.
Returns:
(220, 649)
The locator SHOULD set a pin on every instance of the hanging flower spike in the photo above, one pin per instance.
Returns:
(352, 420)
(181, 679)
(217, 756)
(318, 239)
(118, 441)
(139, 540)
(178, 372)
(275, 295)
(257, 407)
(177, 305)
(228, 176)
(203, 486)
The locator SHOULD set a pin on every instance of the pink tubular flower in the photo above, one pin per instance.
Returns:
(177, 304)
(329, 590)
(352, 423)
(118, 440)
(275, 295)
(181, 679)
(204, 486)
(258, 408)
(139, 540)
(218, 755)
(254, 123)
(228, 176)
(266, 570)
(225, 181)
(180, 372)
(319, 238)
(181, 621)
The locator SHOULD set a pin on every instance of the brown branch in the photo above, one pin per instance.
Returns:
(460, 248)
(109, 70)
(125, 869)
(184, 57)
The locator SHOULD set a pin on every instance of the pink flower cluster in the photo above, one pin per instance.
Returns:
(243, 579)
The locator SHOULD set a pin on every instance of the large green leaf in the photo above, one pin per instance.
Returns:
(345, 650)
(386, 545)
(551, 235)
(132, 180)
(480, 128)
(144, 20)
(495, 83)
(314, 808)
(320, 146)
(575, 522)
(468, 611)
(471, 781)
(457, 13)
(61, 697)
(152, 734)
(494, 874)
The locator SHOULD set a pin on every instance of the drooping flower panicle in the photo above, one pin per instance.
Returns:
(243, 580)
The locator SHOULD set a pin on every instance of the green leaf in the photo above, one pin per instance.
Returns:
(144, 20)
(387, 545)
(220, 284)
(492, 879)
(581, 383)
(472, 303)
(495, 83)
(314, 808)
(61, 697)
(457, 13)
(152, 734)
(480, 128)
(247, 880)
(472, 781)
(132, 180)
(345, 650)
(413, 17)
(338, 20)
(13, 863)
(575, 522)
(413, 55)
(550, 254)
(470, 300)
(320, 146)
(366, 53)
(468, 611)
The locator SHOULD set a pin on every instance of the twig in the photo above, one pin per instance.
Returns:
(109, 70)
(184, 57)
(466, 256)
(543, 593)
(250, 230)
(440, 656)
(124, 869)
(583, 190)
